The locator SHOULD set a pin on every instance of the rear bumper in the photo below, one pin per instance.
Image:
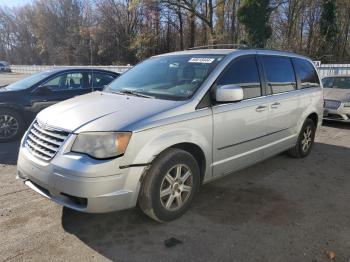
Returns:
(80, 183)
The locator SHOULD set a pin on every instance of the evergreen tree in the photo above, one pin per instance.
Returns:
(328, 26)
(254, 15)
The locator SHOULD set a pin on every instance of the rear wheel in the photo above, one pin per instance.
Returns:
(11, 125)
(305, 140)
(170, 185)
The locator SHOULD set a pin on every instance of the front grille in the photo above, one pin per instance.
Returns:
(331, 104)
(44, 142)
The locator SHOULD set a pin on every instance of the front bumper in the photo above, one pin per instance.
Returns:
(341, 114)
(81, 183)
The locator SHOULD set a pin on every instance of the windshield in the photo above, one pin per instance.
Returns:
(28, 81)
(336, 82)
(174, 77)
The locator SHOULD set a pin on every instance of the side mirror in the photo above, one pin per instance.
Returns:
(43, 90)
(229, 93)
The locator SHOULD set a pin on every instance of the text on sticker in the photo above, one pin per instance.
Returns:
(201, 60)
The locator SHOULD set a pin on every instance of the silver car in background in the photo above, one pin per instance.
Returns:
(337, 98)
(170, 124)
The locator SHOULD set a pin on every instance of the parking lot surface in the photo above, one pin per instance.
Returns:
(282, 209)
(8, 78)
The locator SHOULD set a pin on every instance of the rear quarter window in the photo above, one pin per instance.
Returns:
(306, 73)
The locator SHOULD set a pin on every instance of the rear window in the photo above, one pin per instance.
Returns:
(306, 72)
(279, 73)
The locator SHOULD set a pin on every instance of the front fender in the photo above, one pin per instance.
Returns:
(12, 106)
(148, 144)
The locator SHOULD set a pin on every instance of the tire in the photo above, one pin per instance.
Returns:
(13, 119)
(307, 133)
(157, 179)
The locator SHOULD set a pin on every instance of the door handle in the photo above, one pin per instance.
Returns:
(275, 105)
(261, 108)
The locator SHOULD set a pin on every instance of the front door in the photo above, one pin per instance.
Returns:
(239, 127)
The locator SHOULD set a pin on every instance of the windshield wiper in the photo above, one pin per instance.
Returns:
(131, 92)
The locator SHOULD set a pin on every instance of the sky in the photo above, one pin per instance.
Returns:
(13, 3)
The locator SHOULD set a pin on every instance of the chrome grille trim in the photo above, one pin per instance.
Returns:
(44, 142)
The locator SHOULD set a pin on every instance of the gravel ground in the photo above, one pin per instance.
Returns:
(282, 209)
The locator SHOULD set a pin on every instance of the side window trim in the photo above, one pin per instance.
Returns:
(296, 75)
(263, 78)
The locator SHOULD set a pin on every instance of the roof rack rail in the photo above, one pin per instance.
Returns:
(218, 46)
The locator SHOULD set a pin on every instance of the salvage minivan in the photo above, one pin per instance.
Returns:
(170, 124)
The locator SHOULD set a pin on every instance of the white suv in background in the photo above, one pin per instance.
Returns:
(170, 124)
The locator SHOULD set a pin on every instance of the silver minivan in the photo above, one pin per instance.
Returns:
(170, 124)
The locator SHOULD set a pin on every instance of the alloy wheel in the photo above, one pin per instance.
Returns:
(307, 139)
(176, 187)
(9, 126)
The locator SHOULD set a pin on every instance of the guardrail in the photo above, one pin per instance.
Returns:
(30, 69)
(324, 69)
(334, 69)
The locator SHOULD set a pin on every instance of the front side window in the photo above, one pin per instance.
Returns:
(174, 77)
(341, 82)
(244, 73)
(279, 73)
(62, 82)
(306, 72)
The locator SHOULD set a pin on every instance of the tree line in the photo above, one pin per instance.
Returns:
(119, 32)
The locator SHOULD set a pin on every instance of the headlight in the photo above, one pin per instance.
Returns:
(101, 145)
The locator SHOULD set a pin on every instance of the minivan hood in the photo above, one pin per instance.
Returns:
(119, 111)
(336, 94)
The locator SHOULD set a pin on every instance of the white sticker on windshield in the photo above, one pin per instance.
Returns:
(201, 60)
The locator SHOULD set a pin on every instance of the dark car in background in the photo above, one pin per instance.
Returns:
(22, 100)
(4, 66)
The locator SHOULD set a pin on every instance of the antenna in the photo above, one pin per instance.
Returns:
(90, 42)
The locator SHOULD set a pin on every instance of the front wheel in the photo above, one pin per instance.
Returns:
(11, 125)
(170, 185)
(305, 140)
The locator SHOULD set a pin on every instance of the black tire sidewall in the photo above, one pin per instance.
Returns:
(20, 121)
(161, 169)
(306, 124)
